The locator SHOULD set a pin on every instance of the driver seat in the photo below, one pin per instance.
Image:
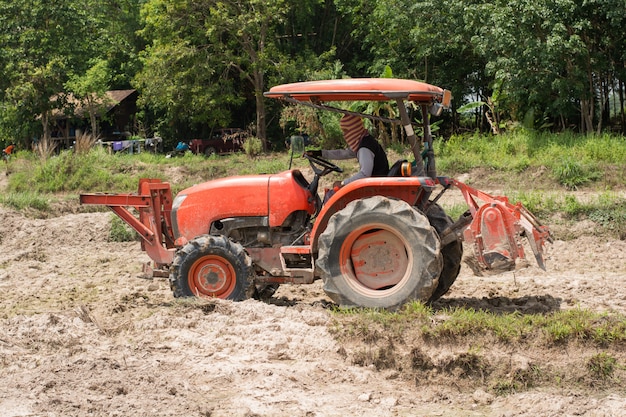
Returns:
(401, 168)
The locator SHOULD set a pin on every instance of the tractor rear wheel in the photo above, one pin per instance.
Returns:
(379, 253)
(212, 266)
(452, 253)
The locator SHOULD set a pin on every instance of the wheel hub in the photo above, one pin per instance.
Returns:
(378, 259)
(213, 276)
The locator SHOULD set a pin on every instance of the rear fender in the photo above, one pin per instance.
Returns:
(409, 189)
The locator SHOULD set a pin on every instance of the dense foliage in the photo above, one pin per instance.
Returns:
(557, 65)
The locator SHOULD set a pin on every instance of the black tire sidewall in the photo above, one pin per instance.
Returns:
(202, 246)
(452, 253)
(420, 237)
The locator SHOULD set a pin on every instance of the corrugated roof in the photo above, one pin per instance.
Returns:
(115, 97)
(118, 96)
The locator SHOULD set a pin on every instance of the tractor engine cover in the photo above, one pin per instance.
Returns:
(273, 197)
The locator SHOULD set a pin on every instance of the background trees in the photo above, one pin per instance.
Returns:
(44, 44)
(199, 65)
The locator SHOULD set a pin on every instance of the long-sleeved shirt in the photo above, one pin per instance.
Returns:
(363, 155)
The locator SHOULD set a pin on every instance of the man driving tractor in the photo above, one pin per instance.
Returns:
(362, 146)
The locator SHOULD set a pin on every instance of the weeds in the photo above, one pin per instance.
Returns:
(607, 210)
(572, 173)
(253, 146)
(602, 366)
(573, 159)
(552, 329)
(120, 231)
(422, 343)
(45, 149)
(84, 143)
(23, 200)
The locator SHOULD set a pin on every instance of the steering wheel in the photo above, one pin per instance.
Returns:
(327, 165)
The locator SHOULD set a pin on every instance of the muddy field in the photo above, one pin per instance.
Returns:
(81, 333)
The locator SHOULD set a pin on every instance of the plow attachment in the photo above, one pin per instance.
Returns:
(495, 229)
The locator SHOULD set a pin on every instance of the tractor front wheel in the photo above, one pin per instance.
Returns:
(212, 266)
(379, 253)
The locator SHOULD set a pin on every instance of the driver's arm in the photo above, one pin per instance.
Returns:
(366, 162)
(336, 154)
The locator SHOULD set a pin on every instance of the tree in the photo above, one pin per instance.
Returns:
(91, 90)
(44, 43)
(243, 34)
(557, 57)
(207, 58)
(182, 81)
(425, 40)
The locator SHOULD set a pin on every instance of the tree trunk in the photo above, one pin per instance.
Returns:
(621, 106)
(586, 116)
(92, 116)
(45, 116)
(587, 105)
(260, 108)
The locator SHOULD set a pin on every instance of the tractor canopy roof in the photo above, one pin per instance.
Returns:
(361, 89)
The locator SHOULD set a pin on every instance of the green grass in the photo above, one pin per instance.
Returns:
(422, 342)
(552, 329)
(602, 365)
(98, 171)
(120, 231)
(573, 159)
(571, 173)
(24, 200)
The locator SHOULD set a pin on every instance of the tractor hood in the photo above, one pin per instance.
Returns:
(273, 197)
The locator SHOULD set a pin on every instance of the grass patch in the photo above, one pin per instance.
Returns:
(557, 328)
(120, 231)
(573, 159)
(25, 200)
(462, 344)
(572, 173)
(602, 366)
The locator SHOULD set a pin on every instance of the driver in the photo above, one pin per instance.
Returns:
(362, 145)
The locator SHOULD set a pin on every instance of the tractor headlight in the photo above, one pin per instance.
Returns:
(178, 201)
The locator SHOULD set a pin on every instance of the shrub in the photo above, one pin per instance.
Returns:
(572, 173)
(120, 232)
(253, 146)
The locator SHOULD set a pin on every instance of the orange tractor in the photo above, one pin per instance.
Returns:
(377, 242)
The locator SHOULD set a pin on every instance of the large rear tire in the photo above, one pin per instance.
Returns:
(452, 253)
(212, 266)
(379, 253)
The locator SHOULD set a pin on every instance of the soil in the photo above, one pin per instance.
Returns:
(82, 333)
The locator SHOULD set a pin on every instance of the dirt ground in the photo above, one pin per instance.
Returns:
(82, 334)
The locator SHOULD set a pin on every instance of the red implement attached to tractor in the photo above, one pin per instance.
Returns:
(377, 242)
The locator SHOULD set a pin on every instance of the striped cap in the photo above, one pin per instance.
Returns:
(353, 130)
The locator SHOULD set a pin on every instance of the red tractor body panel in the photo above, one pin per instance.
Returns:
(197, 208)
